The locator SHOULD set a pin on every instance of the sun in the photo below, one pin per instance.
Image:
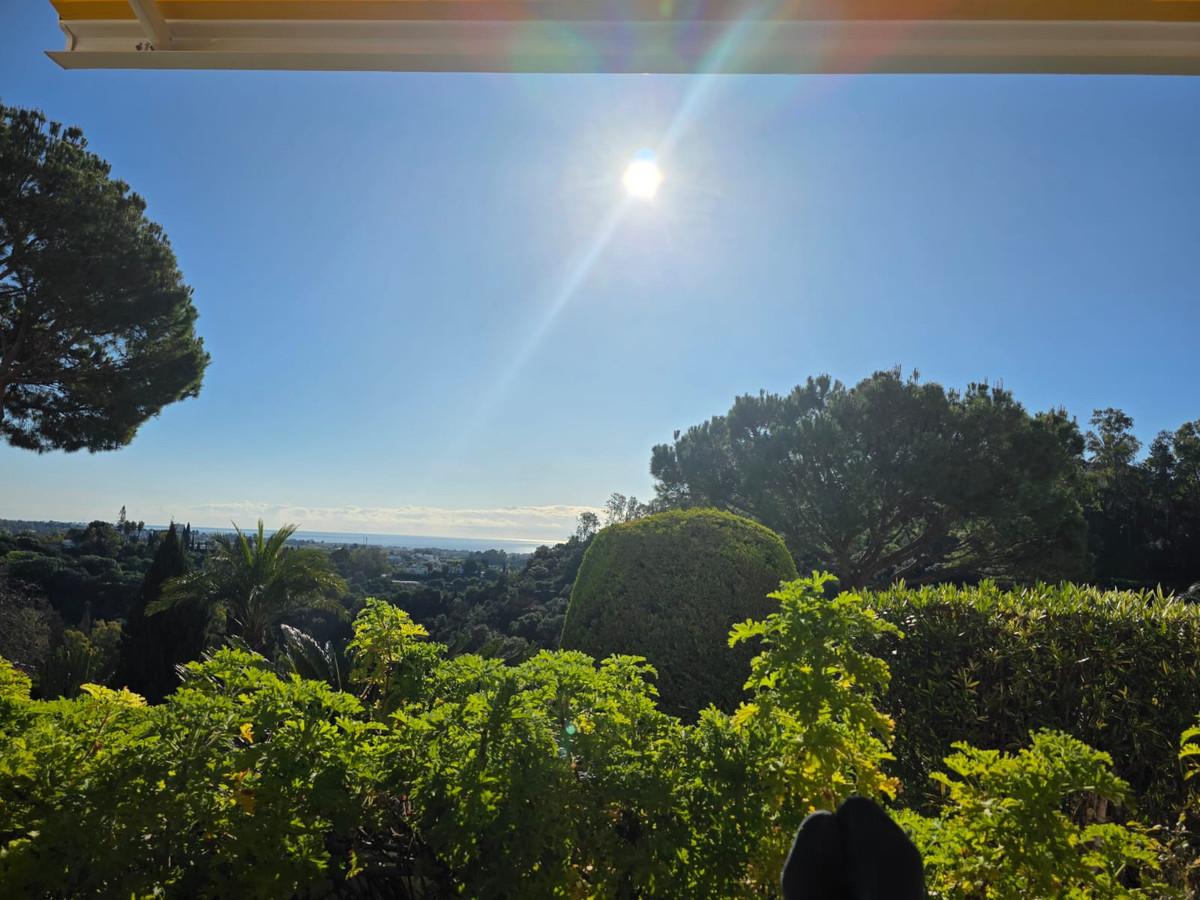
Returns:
(642, 177)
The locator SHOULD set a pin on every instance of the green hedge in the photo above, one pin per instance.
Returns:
(669, 587)
(1119, 670)
(465, 777)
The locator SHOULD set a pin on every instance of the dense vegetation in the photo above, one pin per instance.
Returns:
(62, 597)
(892, 479)
(669, 587)
(1143, 514)
(57, 582)
(895, 478)
(1117, 670)
(154, 646)
(250, 583)
(512, 615)
(446, 776)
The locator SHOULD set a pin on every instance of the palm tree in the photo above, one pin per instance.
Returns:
(254, 581)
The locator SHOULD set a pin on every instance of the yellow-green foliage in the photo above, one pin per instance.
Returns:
(229, 789)
(557, 777)
(669, 587)
(1118, 670)
(14, 684)
(81, 658)
(1005, 831)
(810, 732)
(392, 658)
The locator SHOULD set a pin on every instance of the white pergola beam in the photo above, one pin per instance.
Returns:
(151, 19)
(659, 47)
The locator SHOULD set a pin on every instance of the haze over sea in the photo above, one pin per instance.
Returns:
(404, 541)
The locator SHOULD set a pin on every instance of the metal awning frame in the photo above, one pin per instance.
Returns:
(148, 40)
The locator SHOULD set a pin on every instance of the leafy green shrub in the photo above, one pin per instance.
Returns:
(80, 658)
(14, 688)
(809, 737)
(1189, 748)
(669, 587)
(228, 789)
(1117, 670)
(392, 660)
(1004, 832)
(567, 779)
(1185, 839)
(552, 775)
(559, 777)
(556, 777)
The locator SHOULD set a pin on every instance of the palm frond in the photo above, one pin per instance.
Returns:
(276, 544)
(309, 659)
(192, 587)
(256, 579)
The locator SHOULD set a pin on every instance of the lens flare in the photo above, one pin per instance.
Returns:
(643, 177)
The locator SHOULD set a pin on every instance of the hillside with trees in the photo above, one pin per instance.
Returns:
(999, 640)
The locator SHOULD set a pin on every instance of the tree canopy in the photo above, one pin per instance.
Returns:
(97, 328)
(893, 478)
(1143, 514)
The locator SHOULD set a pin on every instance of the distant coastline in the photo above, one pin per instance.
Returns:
(404, 541)
(398, 541)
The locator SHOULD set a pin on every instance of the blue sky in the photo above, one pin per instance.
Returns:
(389, 271)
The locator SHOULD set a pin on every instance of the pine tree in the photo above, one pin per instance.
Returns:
(97, 327)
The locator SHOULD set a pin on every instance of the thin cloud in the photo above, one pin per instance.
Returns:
(553, 522)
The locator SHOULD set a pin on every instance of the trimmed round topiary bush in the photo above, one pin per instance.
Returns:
(669, 587)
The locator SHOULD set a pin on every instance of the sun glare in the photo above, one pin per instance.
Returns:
(642, 176)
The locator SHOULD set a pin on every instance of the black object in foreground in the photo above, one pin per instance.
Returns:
(857, 853)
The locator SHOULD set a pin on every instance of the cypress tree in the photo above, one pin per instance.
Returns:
(154, 645)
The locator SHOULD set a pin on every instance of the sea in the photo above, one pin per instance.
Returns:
(406, 541)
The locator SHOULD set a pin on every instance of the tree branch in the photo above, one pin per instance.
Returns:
(11, 350)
